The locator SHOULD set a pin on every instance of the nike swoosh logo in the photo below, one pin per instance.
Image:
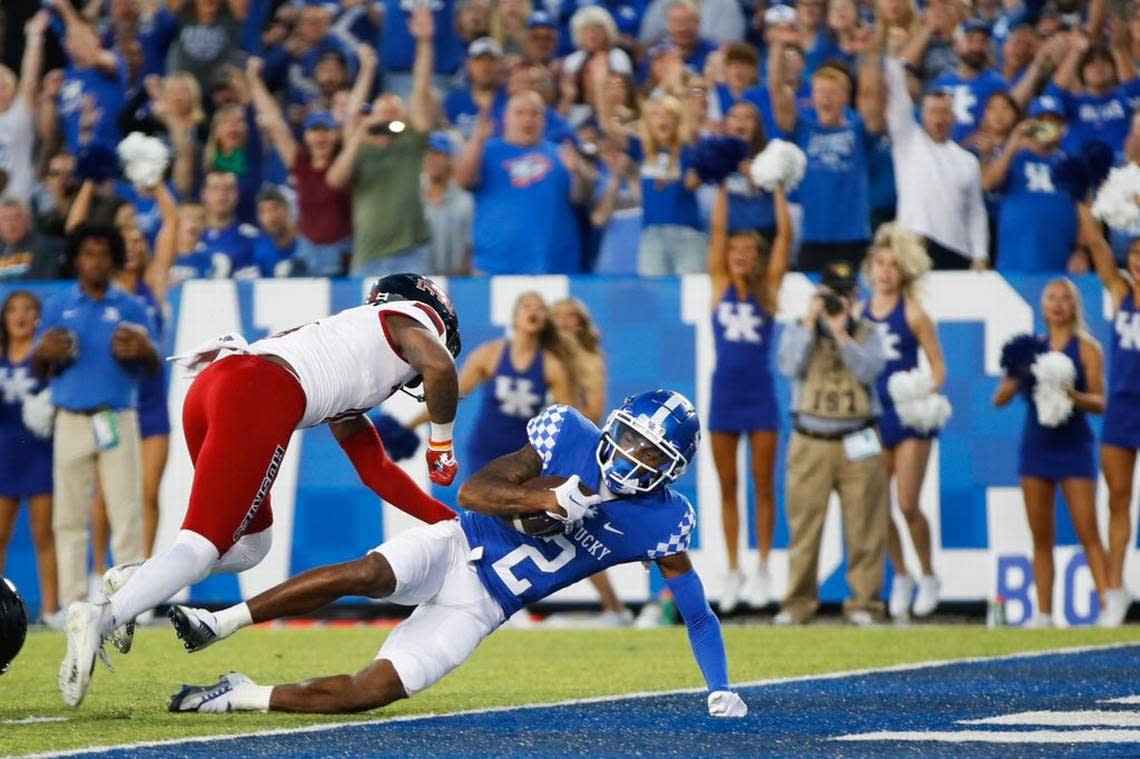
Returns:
(608, 528)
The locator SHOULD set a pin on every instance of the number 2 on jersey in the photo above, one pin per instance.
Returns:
(504, 566)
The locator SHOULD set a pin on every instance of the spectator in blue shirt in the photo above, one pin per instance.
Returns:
(154, 28)
(398, 47)
(741, 72)
(226, 243)
(793, 71)
(1097, 86)
(838, 143)
(95, 341)
(683, 32)
(292, 65)
(524, 190)
(274, 252)
(972, 81)
(484, 90)
(1037, 223)
(234, 146)
(542, 39)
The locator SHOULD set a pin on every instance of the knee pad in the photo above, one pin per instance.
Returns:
(246, 553)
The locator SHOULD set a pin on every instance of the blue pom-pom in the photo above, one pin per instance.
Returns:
(96, 162)
(400, 442)
(715, 157)
(1072, 176)
(1098, 158)
(1019, 353)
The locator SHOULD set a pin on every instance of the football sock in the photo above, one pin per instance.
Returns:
(249, 697)
(186, 562)
(385, 478)
(232, 619)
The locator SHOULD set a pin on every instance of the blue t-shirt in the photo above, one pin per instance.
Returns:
(147, 216)
(156, 33)
(1037, 223)
(95, 378)
(663, 195)
(555, 128)
(969, 96)
(519, 569)
(228, 248)
(524, 222)
(835, 191)
(266, 255)
(749, 207)
(1106, 117)
(398, 48)
(296, 74)
(462, 111)
(881, 172)
(109, 92)
(760, 97)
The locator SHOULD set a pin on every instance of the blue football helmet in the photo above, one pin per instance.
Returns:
(648, 441)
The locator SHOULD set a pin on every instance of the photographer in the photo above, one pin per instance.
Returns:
(833, 361)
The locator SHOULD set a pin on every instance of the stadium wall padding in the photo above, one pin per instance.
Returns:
(656, 333)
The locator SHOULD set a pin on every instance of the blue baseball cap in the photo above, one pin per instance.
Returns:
(974, 25)
(440, 143)
(1046, 105)
(320, 120)
(540, 18)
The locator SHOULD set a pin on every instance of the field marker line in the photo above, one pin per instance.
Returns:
(579, 701)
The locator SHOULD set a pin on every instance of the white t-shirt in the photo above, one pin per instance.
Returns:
(346, 363)
(17, 141)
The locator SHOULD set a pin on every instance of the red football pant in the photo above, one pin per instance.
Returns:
(238, 417)
(386, 479)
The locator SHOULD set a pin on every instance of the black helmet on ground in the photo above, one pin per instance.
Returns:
(13, 623)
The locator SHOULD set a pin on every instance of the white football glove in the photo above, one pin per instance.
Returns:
(571, 499)
(725, 703)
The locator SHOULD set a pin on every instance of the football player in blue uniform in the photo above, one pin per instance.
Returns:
(467, 575)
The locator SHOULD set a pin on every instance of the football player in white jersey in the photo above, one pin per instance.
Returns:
(466, 576)
(239, 415)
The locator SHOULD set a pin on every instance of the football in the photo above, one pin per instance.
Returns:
(540, 524)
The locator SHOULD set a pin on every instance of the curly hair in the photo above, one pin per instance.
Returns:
(909, 250)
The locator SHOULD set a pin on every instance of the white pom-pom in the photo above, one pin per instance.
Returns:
(780, 164)
(1055, 373)
(1115, 203)
(144, 159)
(909, 385)
(925, 414)
(38, 413)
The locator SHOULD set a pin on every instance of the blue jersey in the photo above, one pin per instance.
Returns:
(1037, 223)
(743, 395)
(900, 348)
(234, 243)
(837, 159)
(969, 95)
(520, 569)
(25, 460)
(107, 90)
(511, 398)
(524, 222)
(749, 207)
(1099, 117)
(267, 255)
(664, 198)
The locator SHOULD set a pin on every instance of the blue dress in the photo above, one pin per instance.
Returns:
(25, 460)
(1057, 453)
(743, 396)
(154, 417)
(510, 399)
(1122, 414)
(901, 345)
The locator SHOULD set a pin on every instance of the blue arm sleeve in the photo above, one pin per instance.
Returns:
(703, 626)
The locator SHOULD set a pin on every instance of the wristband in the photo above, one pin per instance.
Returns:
(440, 434)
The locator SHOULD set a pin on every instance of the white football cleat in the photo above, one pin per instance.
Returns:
(1115, 608)
(196, 628)
(209, 699)
(613, 618)
(760, 588)
(784, 619)
(113, 580)
(83, 644)
(1039, 621)
(649, 616)
(926, 599)
(730, 591)
(861, 618)
(902, 588)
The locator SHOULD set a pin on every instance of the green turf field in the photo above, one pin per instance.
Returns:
(511, 667)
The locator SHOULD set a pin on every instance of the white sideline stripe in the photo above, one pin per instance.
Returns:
(33, 720)
(578, 701)
(1121, 700)
(1087, 718)
(996, 736)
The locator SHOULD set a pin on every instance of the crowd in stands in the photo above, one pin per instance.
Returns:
(470, 137)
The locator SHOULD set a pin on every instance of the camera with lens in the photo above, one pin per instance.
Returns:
(387, 127)
(832, 303)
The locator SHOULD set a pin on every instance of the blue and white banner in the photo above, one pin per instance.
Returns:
(656, 334)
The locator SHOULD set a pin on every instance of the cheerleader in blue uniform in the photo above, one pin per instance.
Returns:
(745, 272)
(147, 278)
(1063, 454)
(25, 459)
(896, 261)
(1120, 438)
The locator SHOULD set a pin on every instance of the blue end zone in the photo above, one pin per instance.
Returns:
(789, 719)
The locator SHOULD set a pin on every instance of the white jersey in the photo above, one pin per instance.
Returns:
(347, 363)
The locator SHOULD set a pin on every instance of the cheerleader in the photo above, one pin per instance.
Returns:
(745, 273)
(1052, 455)
(1120, 437)
(896, 261)
(25, 459)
